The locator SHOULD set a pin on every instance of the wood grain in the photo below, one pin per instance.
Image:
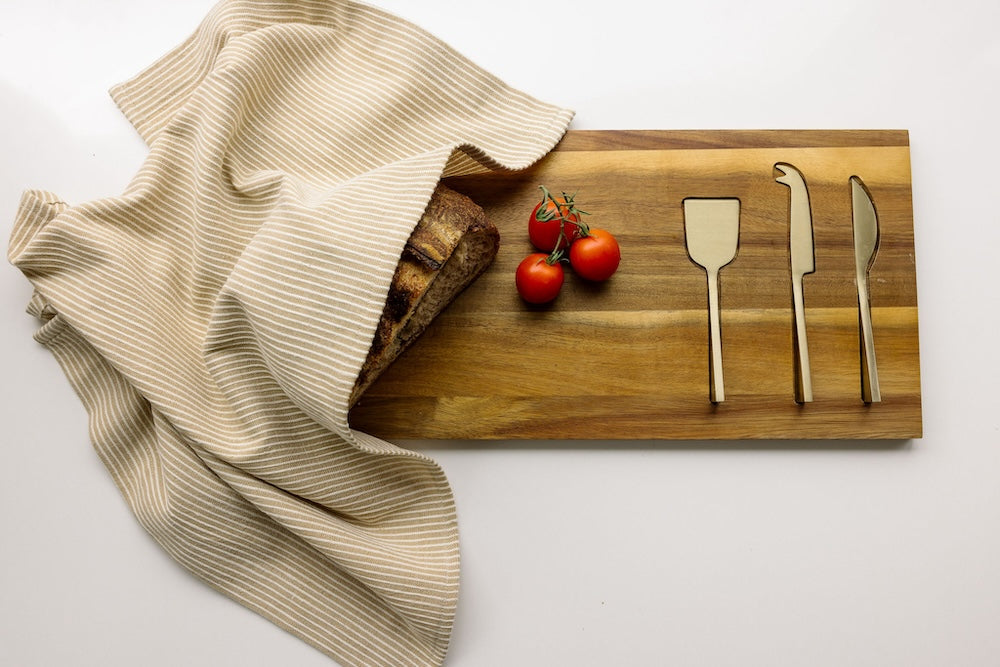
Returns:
(628, 359)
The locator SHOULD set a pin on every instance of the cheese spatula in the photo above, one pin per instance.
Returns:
(712, 234)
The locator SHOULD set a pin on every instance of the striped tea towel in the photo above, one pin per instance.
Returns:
(213, 317)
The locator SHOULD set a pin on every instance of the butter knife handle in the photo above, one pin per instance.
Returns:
(870, 392)
(803, 376)
(716, 390)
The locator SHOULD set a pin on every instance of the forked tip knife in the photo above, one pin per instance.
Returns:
(803, 261)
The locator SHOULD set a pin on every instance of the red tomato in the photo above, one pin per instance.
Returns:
(538, 281)
(544, 232)
(595, 256)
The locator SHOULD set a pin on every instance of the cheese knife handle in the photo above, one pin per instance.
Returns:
(803, 376)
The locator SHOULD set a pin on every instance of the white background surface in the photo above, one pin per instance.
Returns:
(744, 553)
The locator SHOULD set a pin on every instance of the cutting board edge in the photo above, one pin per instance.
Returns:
(604, 140)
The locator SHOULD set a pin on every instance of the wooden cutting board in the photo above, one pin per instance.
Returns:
(628, 359)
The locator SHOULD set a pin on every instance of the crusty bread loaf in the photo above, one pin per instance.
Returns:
(451, 246)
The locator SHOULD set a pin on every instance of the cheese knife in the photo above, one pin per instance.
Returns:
(866, 240)
(803, 261)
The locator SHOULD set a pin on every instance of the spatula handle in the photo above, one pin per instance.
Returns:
(716, 388)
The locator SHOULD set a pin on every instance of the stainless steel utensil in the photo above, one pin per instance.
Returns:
(711, 234)
(866, 239)
(803, 261)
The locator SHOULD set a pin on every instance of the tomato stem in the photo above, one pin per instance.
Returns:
(562, 212)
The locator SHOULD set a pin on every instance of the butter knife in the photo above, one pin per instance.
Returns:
(803, 261)
(866, 239)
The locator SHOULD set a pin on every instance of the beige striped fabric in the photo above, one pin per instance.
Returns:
(213, 318)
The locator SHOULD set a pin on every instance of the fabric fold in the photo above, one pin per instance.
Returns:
(214, 317)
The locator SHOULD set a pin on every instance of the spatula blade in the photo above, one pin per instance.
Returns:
(712, 231)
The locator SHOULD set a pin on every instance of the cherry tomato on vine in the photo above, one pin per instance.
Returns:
(551, 216)
(538, 280)
(595, 256)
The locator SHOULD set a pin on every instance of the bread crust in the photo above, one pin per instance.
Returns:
(451, 245)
